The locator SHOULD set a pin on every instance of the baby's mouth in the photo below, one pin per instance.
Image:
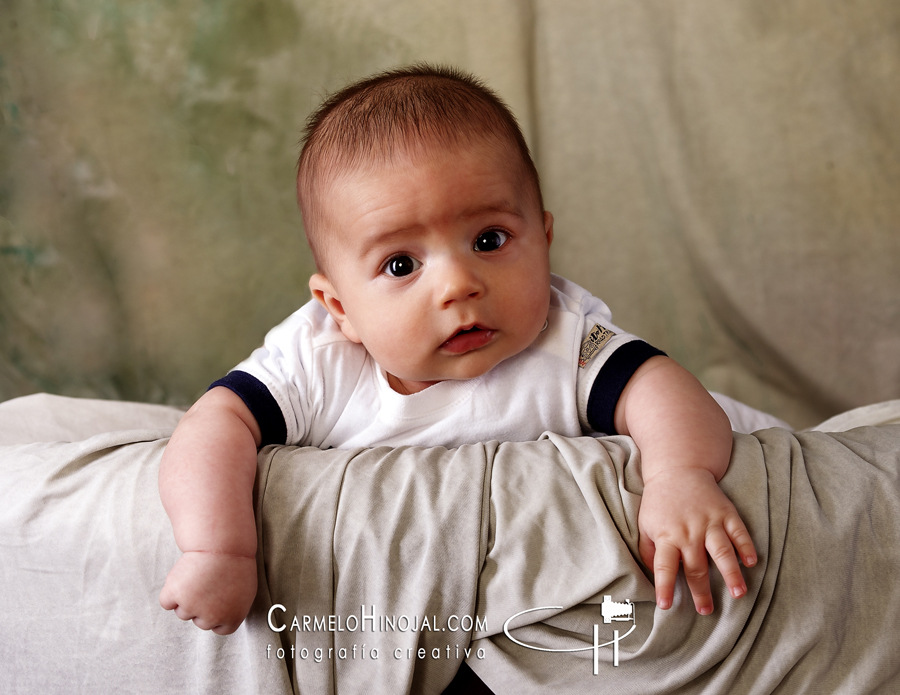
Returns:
(467, 339)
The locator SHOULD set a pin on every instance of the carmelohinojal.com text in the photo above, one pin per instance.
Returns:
(371, 622)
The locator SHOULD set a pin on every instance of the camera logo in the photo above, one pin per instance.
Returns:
(620, 612)
(612, 611)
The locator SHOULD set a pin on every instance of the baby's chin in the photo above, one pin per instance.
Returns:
(470, 365)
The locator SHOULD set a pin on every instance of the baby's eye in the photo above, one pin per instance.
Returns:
(398, 266)
(491, 240)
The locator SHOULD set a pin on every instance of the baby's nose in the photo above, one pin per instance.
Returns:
(459, 282)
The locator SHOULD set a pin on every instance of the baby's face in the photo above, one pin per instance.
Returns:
(437, 263)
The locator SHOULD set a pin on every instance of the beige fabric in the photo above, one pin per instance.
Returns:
(887, 413)
(43, 417)
(486, 531)
(724, 175)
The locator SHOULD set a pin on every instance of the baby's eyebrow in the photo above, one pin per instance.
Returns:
(502, 207)
(376, 245)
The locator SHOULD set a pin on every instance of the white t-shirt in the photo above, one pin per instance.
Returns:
(330, 392)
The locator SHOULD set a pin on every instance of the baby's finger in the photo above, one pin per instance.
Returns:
(647, 550)
(665, 569)
(741, 539)
(721, 551)
(696, 571)
(211, 624)
(167, 598)
(184, 614)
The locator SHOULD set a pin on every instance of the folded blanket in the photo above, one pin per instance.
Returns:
(386, 568)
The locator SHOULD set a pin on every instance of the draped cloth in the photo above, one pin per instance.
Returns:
(387, 567)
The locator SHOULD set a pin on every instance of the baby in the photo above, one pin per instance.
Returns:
(436, 322)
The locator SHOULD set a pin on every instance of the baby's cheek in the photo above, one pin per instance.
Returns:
(398, 349)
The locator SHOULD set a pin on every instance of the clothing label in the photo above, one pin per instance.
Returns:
(597, 338)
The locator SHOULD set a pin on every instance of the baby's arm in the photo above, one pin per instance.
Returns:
(206, 484)
(685, 443)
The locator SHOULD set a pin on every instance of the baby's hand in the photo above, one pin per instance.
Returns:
(683, 515)
(212, 589)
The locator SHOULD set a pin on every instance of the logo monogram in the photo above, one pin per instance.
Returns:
(611, 611)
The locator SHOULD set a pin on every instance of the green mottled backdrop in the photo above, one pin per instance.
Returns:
(724, 175)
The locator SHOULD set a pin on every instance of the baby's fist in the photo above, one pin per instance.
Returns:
(214, 590)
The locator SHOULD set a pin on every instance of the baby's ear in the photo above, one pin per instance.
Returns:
(548, 226)
(324, 293)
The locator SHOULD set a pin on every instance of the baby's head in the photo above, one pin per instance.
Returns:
(423, 210)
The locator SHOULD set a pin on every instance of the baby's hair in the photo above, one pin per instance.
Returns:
(398, 112)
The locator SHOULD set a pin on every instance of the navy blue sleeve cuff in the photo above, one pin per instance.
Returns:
(611, 381)
(261, 403)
